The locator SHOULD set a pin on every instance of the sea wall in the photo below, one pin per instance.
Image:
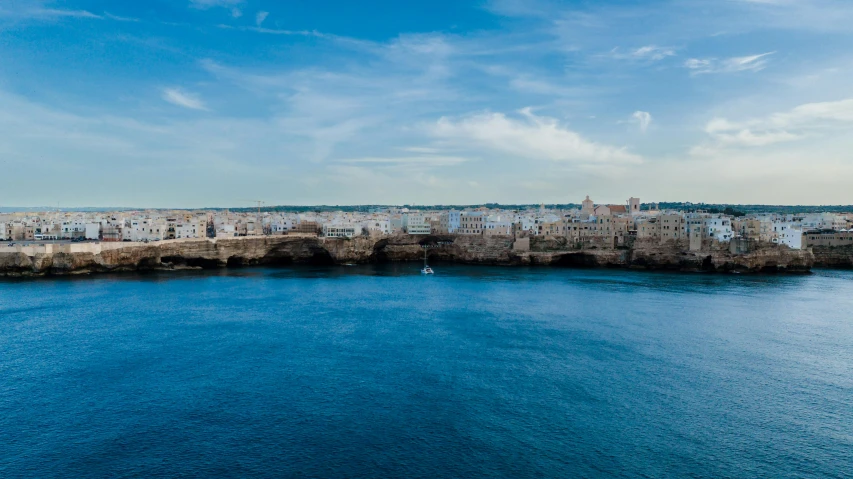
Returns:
(488, 250)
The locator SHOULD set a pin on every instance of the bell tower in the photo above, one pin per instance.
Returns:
(634, 205)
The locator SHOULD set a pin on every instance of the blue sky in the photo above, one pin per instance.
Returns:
(190, 103)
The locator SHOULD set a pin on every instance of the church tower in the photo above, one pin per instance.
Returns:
(587, 206)
(634, 206)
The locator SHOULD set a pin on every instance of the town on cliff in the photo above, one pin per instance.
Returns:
(625, 235)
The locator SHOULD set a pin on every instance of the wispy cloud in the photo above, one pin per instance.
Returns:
(260, 17)
(37, 11)
(184, 99)
(530, 137)
(752, 63)
(643, 119)
(119, 18)
(796, 124)
(536, 86)
(275, 31)
(58, 13)
(648, 52)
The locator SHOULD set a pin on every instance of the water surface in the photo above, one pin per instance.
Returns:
(376, 371)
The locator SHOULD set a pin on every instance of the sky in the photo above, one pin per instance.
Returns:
(193, 103)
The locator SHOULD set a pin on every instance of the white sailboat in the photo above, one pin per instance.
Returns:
(426, 269)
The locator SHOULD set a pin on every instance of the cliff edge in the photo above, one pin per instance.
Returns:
(86, 258)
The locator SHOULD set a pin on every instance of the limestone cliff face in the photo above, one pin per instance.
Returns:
(833, 256)
(491, 250)
(676, 255)
(201, 253)
(125, 259)
(270, 250)
(451, 248)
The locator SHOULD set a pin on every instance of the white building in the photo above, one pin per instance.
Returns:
(342, 230)
(226, 230)
(528, 223)
(719, 228)
(281, 226)
(792, 238)
(147, 229)
(377, 226)
(819, 221)
(704, 225)
(189, 230)
(780, 226)
(449, 221)
(73, 229)
(497, 225)
(416, 224)
(93, 231)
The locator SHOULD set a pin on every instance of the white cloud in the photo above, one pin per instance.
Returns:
(184, 99)
(697, 64)
(120, 18)
(405, 78)
(260, 17)
(812, 113)
(653, 52)
(749, 138)
(796, 124)
(275, 31)
(236, 12)
(643, 119)
(648, 53)
(526, 84)
(56, 13)
(530, 137)
(728, 65)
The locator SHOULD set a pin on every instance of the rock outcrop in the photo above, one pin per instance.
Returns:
(488, 250)
(833, 256)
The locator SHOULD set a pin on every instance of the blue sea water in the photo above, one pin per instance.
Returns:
(377, 371)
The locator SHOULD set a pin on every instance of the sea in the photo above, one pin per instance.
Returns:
(380, 372)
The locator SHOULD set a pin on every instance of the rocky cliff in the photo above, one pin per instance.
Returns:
(833, 256)
(284, 250)
(716, 257)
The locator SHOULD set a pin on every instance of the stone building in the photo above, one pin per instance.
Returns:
(828, 238)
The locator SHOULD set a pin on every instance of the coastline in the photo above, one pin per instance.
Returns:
(205, 253)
